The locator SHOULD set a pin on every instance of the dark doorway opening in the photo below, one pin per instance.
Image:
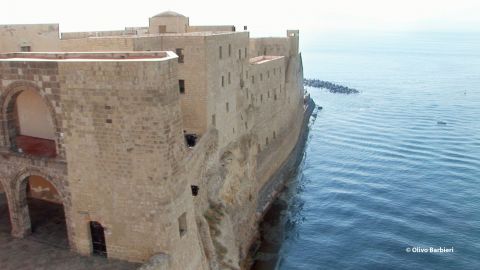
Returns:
(47, 216)
(4, 213)
(99, 246)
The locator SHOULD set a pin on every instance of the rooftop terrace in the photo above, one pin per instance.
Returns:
(263, 59)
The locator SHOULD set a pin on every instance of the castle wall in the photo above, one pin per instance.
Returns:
(117, 149)
(97, 44)
(270, 46)
(119, 127)
(35, 37)
(211, 28)
(77, 35)
(222, 98)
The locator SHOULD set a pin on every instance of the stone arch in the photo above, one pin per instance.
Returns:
(7, 114)
(18, 186)
(6, 190)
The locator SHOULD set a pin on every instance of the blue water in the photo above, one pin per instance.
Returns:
(379, 174)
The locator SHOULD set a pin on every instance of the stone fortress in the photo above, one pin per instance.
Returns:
(162, 144)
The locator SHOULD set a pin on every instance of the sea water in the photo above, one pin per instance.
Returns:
(391, 176)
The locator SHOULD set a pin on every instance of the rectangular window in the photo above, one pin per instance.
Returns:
(181, 85)
(229, 78)
(25, 49)
(253, 79)
(229, 50)
(223, 81)
(214, 120)
(261, 76)
(182, 224)
(220, 52)
(239, 54)
(162, 29)
(179, 52)
(245, 52)
(226, 106)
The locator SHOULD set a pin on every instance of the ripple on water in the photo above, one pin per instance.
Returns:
(381, 175)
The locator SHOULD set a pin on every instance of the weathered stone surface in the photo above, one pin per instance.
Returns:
(119, 133)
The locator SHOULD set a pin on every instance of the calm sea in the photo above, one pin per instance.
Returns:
(380, 175)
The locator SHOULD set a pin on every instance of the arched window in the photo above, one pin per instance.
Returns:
(30, 125)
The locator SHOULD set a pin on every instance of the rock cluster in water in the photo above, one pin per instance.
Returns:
(332, 87)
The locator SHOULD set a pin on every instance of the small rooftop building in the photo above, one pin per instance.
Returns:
(168, 22)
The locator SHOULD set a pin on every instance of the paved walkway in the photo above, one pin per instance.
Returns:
(36, 253)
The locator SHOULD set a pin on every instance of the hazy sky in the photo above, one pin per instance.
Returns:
(264, 17)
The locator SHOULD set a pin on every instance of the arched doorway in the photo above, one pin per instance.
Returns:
(30, 125)
(99, 247)
(5, 225)
(46, 211)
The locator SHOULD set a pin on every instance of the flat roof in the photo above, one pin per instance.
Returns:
(116, 56)
(263, 59)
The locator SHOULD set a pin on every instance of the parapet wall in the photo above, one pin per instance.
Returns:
(77, 35)
(29, 37)
(211, 28)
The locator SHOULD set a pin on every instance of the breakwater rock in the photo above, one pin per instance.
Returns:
(332, 87)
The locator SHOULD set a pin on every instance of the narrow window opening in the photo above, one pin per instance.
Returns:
(213, 120)
(220, 52)
(253, 79)
(245, 52)
(229, 50)
(261, 98)
(181, 86)
(182, 224)
(274, 135)
(229, 78)
(266, 141)
(195, 190)
(191, 139)
(179, 52)
(25, 49)
(227, 107)
(223, 81)
(261, 76)
(239, 54)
